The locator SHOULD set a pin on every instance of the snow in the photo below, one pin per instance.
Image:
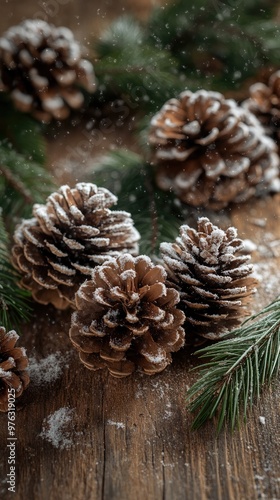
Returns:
(5, 373)
(248, 246)
(56, 428)
(262, 420)
(47, 370)
(118, 425)
(128, 274)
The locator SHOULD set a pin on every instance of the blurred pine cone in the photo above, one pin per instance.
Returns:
(126, 318)
(13, 364)
(210, 151)
(264, 102)
(41, 66)
(75, 231)
(212, 277)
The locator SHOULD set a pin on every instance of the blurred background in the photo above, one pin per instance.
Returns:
(85, 17)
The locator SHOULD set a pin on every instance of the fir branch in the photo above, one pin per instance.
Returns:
(16, 183)
(133, 68)
(22, 183)
(156, 214)
(225, 44)
(237, 369)
(14, 302)
(24, 179)
(20, 130)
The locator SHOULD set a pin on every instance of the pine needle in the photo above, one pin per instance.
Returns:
(236, 370)
(14, 302)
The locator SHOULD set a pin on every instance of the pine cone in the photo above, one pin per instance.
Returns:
(13, 364)
(264, 102)
(41, 65)
(126, 318)
(213, 279)
(75, 231)
(210, 151)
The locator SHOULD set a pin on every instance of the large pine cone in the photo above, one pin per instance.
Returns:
(264, 102)
(212, 277)
(13, 364)
(75, 231)
(126, 318)
(41, 66)
(210, 151)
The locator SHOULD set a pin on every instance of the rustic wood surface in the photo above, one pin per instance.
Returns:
(131, 439)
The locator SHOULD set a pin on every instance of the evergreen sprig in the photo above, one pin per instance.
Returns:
(14, 302)
(237, 369)
(223, 42)
(130, 66)
(24, 178)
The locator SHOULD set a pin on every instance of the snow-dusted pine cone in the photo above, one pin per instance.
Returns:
(126, 318)
(75, 231)
(213, 279)
(42, 66)
(264, 102)
(210, 151)
(13, 364)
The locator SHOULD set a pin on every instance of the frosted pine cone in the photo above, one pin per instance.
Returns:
(13, 364)
(210, 151)
(41, 66)
(264, 102)
(212, 277)
(126, 318)
(75, 231)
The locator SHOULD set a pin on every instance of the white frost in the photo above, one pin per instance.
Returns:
(57, 428)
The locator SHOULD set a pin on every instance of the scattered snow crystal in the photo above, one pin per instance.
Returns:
(57, 428)
(48, 369)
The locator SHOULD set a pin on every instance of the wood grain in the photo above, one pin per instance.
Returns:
(131, 439)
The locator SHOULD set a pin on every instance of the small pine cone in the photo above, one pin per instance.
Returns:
(210, 151)
(41, 66)
(212, 277)
(13, 364)
(75, 231)
(126, 318)
(264, 103)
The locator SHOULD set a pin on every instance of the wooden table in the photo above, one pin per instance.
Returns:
(131, 439)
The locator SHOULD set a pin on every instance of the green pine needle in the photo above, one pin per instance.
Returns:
(222, 42)
(236, 370)
(135, 69)
(14, 302)
(24, 179)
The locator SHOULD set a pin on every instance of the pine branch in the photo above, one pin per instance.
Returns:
(155, 213)
(224, 42)
(14, 302)
(20, 130)
(134, 69)
(237, 369)
(24, 179)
